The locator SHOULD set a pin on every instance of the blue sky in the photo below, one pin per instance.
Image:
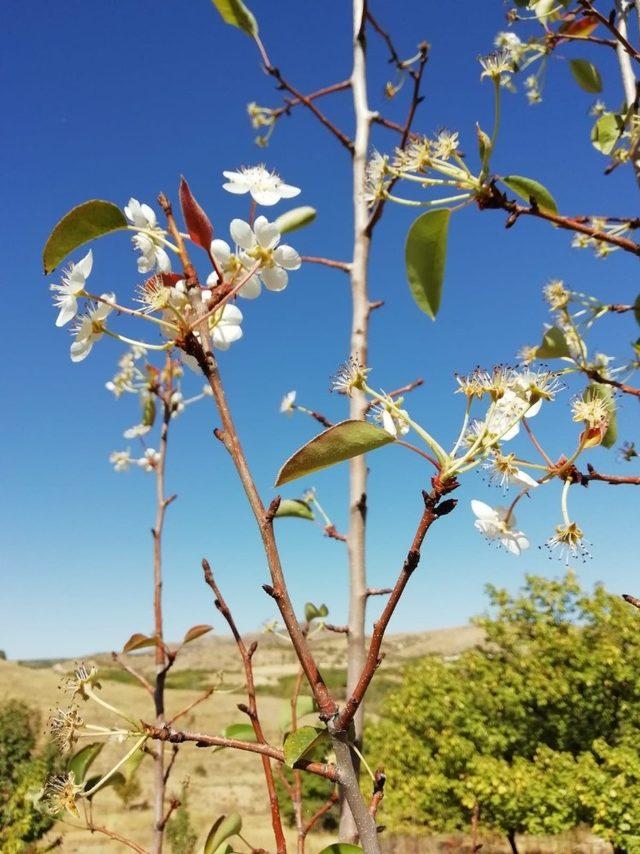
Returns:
(115, 100)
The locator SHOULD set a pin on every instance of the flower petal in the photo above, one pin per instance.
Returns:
(242, 234)
(251, 289)
(267, 233)
(482, 510)
(266, 197)
(274, 278)
(287, 257)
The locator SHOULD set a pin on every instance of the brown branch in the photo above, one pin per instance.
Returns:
(596, 376)
(378, 791)
(203, 352)
(345, 266)
(252, 711)
(405, 130)
(342, 138)
(432, 510)
(320, 93)
(492, 199)
(324, 809)
(394, 56)
(590, 9)
(613, 479)
(340, 630)
(173, 806)
(113, 834)
(193, 704)
(399, 391)
(631, 600)
(173, 736)
(174, 755)
(148, 687)
(332, 532)
(379, 591)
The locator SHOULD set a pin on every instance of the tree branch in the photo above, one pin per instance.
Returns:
(246, 656)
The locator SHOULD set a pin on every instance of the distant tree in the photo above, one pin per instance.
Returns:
(23, 772)
(537, 727)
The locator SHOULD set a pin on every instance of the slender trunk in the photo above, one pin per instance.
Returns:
(357, 408)
(627, 74)
(158, 696)
(511, 836)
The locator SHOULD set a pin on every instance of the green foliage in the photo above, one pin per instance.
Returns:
(586, 75)
(340, 442)
(23, 771)
(529, 189)
(85, 222)
(425, 258)
(181, 834)
(538, 726)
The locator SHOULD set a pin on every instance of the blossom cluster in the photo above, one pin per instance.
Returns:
(180, 308)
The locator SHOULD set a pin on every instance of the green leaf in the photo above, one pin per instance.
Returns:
(148, 411)
(196, 632)
(295, 507)
(586, 76)
(636, 310)
(130, 767)
(606, 132)
(305, 705)
(300, 742)
(234, 12)
(342, 848)
(295, 219)
(139, 641)
(340, 442)
(85, 222)
(554, 345)
(116, 779)
(606, 394)
(529, 189)
(311, 612)
(425, 258)
(242, 732)
(222, 828)
(80, 762)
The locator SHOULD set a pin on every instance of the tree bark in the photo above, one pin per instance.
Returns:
(511, 836)
(358, 402)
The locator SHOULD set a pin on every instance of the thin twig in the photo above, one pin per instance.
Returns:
(320, 93)
(252, 711)
(132, 672)
(432, 510)
(345, 266)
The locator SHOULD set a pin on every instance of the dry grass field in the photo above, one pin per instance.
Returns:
(223, 782)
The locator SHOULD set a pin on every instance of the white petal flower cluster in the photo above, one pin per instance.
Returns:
(497, 524)
(266, 188)
(121, 460)
(66, 295)
(258, 247)
(150, 238)
(90, 327)
(393, 420)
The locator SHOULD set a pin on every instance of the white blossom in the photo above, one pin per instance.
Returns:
(497, 524)
(288, 402)
(260, 245)
(148, 241)
(120, 460)
(266, 188)
(90, 328)
(73, 285)
(150, 460)
(503, 469)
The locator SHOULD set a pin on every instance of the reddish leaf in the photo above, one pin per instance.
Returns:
(139, 641)
(196, 632)
(579, 27)
(197, 222)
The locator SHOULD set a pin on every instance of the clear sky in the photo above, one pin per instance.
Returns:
(112, 100)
